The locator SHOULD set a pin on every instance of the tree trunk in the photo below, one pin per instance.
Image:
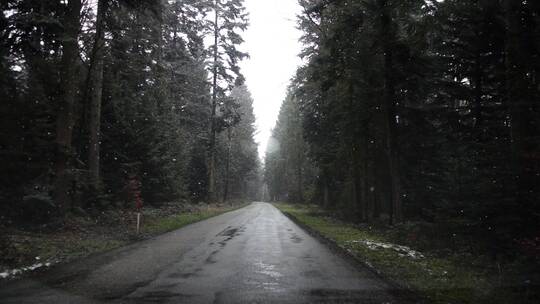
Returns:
(96, 88)
(364, 175)
(519, 100)
(300, 160)
(227, 165)
(64, 120)
(300, 182)
(212, 163)
(325, 190)
(355, 193)
(326, 195)
(354, 157)
(477, 78)
(390, 115)
(160, 70)
(364, 191)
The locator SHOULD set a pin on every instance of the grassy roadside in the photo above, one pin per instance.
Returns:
(440, 279)
(158, 225)
(25, 250)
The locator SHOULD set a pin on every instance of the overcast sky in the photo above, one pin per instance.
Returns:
(272, 43)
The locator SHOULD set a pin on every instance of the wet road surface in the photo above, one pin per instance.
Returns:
(251, 255)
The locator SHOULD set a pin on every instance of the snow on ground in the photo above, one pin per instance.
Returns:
(401, 250)
(8, 273)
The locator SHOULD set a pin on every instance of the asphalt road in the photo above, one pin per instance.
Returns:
(251, 255)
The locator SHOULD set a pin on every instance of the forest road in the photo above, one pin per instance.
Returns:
(250, 255)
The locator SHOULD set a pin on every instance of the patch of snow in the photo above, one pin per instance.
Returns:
(401, 250)
(8, 273)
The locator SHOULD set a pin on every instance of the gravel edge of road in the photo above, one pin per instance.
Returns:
(398, 290)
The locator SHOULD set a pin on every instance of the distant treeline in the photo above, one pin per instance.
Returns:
(95, 93)
(411, 110)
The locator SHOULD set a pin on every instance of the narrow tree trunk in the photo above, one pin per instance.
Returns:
(300, 182)
(518, 99)
(366, 212)
(65, 121)
(364, 173)
(160, 71)
(390, 115)
(300, 160)
(227, 165)
(326, 195)
(325, 190)
(477, 110)
(96, 88)
(381, 186)
(357, 202)
(212, 163)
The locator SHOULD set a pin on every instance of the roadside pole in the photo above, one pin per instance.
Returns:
(138, 222)
(135, 193)
(138, 206)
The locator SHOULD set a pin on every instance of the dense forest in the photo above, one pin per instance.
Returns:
(417, 111)
(404, 165)
(98, 93)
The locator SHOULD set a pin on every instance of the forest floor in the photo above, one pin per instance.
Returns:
(440, 276)
(27, 249)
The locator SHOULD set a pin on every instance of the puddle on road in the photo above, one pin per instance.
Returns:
(271, 286)
(312, 274)
(296, 239)
(181, 275)
(229, 233)
(159, 296)
(268, 270)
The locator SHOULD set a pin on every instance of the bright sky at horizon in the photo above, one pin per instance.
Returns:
(273, 46)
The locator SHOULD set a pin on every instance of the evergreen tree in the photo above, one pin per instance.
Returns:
(242, 162)
(287, 166)
(417, 110)
(229, 18)
(99, 92)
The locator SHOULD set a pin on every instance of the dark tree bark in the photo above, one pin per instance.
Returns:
(227, 165)
(299, 179)
(519, 100)
(478, 92)
(363, 172)
(65, 121)
(212, 160)
(96, 88)
(387, 35)
(356, 184)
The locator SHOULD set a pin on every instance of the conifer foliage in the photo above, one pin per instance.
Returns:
(96, 91)
(416, 110)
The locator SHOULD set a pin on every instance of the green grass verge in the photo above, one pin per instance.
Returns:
(156, 226)
(438, 279)
(86, 237)
(57, 247)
